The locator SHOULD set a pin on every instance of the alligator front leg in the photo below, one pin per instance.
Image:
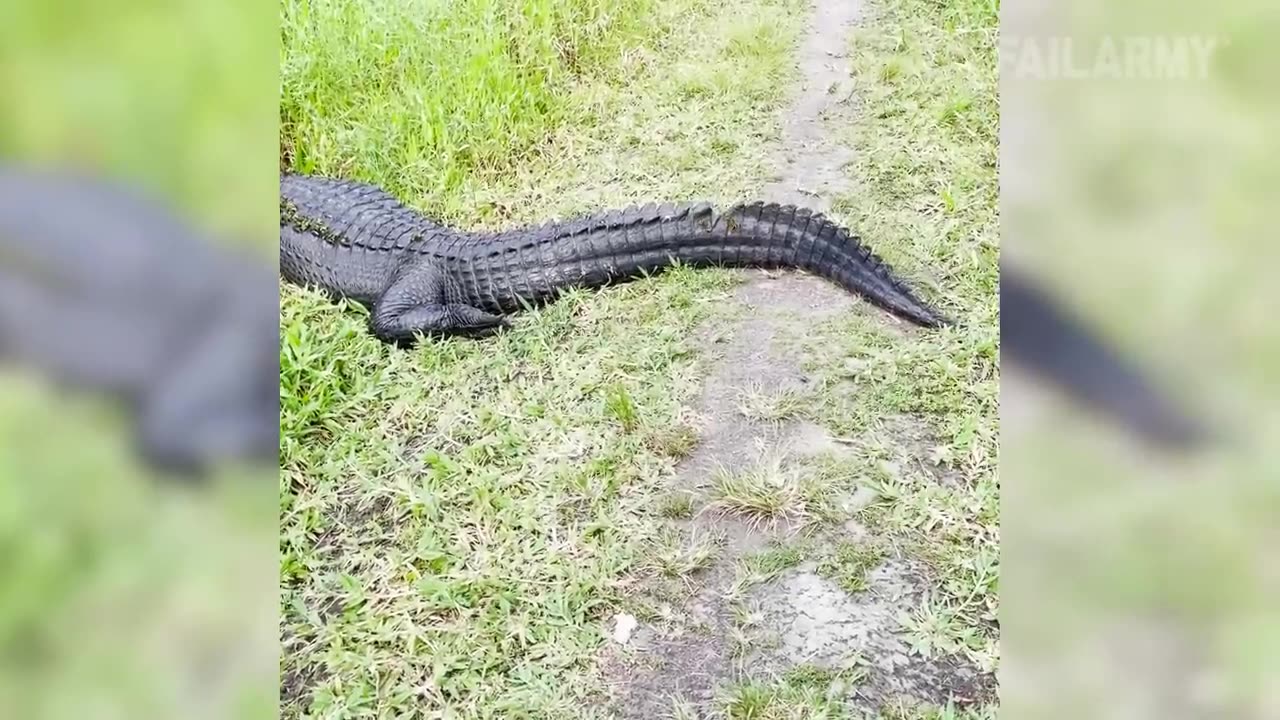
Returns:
(423, 302)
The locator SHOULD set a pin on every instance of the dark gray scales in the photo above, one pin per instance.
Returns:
(354, 240)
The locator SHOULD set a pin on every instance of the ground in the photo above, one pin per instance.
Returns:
(792, 494)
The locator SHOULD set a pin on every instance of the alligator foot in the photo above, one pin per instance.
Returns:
(402, 326)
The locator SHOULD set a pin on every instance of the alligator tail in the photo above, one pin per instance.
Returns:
(600, 249)
(796, 237)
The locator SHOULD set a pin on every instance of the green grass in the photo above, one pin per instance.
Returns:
(458, 520)
(923, 409)
(465, 503)
(675, 556)
(676, 506)
(441, 90)
(848, 564)
(805, 692)
(916, 711)
(812, 676)
(763, 405)
(811, 693)
(457, 107)
(769, 563)
(771, 492)
(757, 568)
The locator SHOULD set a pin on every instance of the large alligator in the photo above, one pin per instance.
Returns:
(417, 277)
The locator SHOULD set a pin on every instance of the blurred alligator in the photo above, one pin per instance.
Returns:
(356, 241)
(1039, 334)
(103, 289)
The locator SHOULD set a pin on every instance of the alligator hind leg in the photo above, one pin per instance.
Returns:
(402, 325)
(424, 301)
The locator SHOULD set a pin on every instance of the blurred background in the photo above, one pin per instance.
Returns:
(1138, 163)
(137, 185)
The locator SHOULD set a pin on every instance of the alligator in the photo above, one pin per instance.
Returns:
(421, 279)
(92, 296)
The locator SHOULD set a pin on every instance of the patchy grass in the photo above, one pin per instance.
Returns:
(619, 404)
(771, 492)
(761, 567)
(676, 441)
(676, 506)
(848, 564)
(811, 693)
(682, 710)
(922, 408)
(673, 555)
(749, 702)
(458, 520)
(804, 693)
(915, 711)
(774, 406)
(812, 676)
(772, 561)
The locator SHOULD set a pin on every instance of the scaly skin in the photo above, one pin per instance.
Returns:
(356, 241)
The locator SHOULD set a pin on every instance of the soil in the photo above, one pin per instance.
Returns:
(692, 653)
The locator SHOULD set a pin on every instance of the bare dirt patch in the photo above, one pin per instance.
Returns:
(689, 655)
(753, 356)
(814, 622)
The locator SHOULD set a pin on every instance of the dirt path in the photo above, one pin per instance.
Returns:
(711, 636)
